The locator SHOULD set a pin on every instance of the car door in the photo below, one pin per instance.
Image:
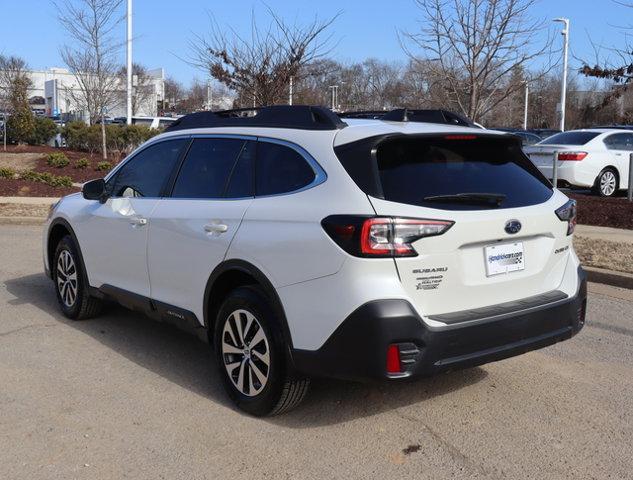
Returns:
(113, 235)
(191, 230)
(620, 146)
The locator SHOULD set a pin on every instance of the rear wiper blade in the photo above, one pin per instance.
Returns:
(496, 198)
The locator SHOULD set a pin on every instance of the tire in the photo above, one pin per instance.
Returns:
(607, 183)
(71, 287)
(247, 334)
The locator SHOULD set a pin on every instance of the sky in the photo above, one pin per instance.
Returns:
(164, 28)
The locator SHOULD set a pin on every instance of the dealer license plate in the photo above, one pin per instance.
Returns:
(504, 258)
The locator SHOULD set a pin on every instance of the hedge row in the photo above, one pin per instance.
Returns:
(39, 132)
(43, 177)
(119, 138)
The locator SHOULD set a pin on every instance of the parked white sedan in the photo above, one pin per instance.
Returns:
(595, 158)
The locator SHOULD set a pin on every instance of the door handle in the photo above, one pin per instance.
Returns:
(138, 221)
(215, 228)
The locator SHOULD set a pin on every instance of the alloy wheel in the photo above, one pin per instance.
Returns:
(67, 278)
(246, 352)
(607, 183)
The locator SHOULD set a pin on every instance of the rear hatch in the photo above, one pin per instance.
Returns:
(506, 242)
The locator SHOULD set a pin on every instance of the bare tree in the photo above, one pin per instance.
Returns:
(15, 82)
(92, 58)
(143, 90)
(619, 73)
(259, 69)
(174, 94)
(14, 79)
(472, 46)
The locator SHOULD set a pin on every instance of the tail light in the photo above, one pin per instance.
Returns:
(381, 237)
(571, 156)
(567, 213)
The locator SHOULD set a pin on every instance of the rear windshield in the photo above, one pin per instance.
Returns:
(570, 138)
(478, 172)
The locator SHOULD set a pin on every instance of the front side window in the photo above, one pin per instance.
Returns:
(147, 172)
(281, 169)
(207, 168)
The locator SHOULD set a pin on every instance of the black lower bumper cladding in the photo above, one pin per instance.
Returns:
(357, 350)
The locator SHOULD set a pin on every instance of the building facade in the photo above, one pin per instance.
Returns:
(53, 92)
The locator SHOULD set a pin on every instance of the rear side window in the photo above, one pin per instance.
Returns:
(147, 172)
(570, 138)
(207, 168)
(281, 169)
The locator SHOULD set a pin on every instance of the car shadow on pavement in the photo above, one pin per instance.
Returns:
(185, 360)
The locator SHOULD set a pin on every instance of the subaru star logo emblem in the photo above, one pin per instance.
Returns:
(513, 226)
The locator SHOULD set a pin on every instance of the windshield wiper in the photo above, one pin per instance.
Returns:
(472, 198)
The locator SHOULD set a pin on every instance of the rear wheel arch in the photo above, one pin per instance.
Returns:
(618, 178)
(230, 275)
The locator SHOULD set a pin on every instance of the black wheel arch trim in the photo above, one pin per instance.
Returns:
(63, 222)
(263, 281)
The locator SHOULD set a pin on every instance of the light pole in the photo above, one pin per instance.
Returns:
(291, 90)
(129, 62)
(525, 111)
(333, 87)
(4, 132)
(563, 93)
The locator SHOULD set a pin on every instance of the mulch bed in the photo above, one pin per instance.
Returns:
(78, 175)
(604, 212)
(25, 188)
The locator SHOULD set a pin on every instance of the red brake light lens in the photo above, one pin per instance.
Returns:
(568, 213)
(572, 156)
(381, 236)
(393, 236)
(460, 137)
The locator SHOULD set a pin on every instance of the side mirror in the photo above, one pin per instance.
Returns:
(95, 190)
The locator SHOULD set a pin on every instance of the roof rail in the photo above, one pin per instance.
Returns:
(302, 117)
(412, 115)
(427, 116)
(369, 114)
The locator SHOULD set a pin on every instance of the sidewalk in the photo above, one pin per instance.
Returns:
(605, 233)
(29, 200)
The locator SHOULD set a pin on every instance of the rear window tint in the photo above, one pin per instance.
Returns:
(570, 138)
(412, 169)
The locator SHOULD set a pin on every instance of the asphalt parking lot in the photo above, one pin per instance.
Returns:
(124, 397)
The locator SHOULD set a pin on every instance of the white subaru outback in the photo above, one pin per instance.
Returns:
(299, 246)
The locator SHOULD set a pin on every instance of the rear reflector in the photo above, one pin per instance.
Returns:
(572, 156)
(393, 359)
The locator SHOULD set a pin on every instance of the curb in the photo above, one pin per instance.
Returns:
(609, 277)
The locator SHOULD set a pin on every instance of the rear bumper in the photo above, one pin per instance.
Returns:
(569, 174)
(357, 350)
